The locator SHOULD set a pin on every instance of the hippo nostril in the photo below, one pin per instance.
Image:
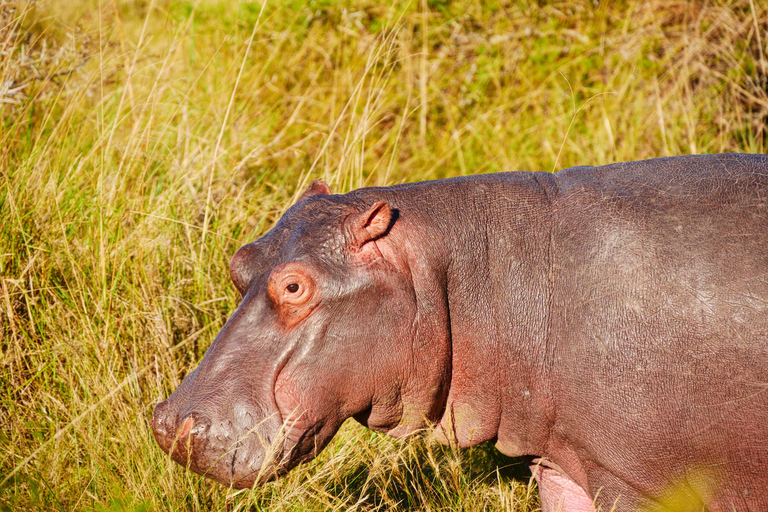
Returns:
(184, 428)
(183, 442)
(191, 425)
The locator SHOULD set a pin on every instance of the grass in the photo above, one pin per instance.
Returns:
(142, 142)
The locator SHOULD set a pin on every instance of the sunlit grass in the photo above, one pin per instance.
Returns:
(143, 142)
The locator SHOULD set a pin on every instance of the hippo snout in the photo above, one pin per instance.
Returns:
(170, 428)
(228, 451)
(182, 437)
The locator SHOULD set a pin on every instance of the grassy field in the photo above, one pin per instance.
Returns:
(143, 141)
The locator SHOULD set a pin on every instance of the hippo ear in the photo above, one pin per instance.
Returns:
(373, 223)
(316, 187)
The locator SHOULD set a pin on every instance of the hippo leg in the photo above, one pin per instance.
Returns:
(558, 493)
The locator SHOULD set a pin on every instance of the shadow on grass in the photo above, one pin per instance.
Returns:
(388, 474)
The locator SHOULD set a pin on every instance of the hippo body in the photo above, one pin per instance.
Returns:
(609, 323)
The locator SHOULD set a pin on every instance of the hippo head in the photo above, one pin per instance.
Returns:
(340, 317)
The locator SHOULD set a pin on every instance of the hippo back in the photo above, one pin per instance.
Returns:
(659, 323)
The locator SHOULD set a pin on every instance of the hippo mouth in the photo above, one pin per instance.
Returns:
(237, 454)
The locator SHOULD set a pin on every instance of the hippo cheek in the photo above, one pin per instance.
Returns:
(310, 420)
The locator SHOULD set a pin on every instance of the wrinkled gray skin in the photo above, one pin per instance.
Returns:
(610, 323)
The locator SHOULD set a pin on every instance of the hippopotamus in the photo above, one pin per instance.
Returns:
(609, 324)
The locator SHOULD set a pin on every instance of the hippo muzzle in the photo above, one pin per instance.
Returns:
(236, 451)
(222, 421)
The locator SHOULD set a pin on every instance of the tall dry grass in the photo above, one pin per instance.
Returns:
(143, 141)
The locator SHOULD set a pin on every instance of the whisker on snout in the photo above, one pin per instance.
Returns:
(270, 447)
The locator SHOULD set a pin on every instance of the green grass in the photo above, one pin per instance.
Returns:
(142, 142)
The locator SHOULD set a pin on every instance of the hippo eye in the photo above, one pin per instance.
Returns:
(291, 287)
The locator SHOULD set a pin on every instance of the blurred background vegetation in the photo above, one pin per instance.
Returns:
(143, 141)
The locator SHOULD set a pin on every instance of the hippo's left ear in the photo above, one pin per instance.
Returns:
(364, 227)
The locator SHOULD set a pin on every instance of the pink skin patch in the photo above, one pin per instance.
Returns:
(558, 493)
(184, 428)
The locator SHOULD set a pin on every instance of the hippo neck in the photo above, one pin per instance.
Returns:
(490, 237)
